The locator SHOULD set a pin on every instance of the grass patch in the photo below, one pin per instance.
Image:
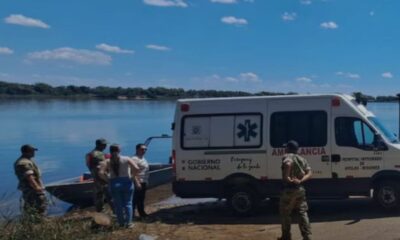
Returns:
(48, 228)
(79, 225)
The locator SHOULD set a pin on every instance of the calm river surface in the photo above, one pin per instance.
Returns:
(65, 130)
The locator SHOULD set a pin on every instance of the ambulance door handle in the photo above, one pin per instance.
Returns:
(325, 158)
(335, 158)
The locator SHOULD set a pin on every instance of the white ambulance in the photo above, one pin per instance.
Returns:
(233, 147)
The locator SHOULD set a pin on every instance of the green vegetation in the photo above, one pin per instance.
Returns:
(45, 90)
(56, 228)
(367, 98)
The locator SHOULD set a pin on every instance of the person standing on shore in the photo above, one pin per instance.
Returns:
(94, 161)
(30, 183)
(140, 193)
(122, 170)
(295, 171)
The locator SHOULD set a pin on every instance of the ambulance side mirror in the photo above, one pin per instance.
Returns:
(379, 143)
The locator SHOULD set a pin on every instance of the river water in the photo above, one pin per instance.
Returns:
(65, 130)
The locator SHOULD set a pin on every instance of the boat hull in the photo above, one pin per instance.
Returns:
(80, 192)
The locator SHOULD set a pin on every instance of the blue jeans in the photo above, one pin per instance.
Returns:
(121, 189)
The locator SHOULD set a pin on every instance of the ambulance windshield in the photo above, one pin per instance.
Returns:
(388, 134)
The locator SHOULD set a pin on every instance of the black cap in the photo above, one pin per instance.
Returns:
(141, 146)
(101, 141)
(291, 145)
(27, 148)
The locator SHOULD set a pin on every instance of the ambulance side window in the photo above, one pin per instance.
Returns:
(353, 132)
(308, 128)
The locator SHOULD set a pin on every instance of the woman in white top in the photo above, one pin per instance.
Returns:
(122, 169)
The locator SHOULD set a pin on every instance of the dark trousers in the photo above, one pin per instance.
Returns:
(138, 197)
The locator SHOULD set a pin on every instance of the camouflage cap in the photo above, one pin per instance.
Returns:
(101, 141)
(28, 148)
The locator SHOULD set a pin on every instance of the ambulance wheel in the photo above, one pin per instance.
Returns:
(243, 201)
(387, 195)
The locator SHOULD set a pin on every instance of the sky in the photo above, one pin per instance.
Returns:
(304, 46)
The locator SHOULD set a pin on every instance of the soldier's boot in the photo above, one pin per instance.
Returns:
(285, 223)
(282, 238)
(286, 235)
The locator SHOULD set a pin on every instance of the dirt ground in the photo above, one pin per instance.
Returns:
(354, 219)
(199, 220)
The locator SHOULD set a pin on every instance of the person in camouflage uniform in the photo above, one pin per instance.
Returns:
(295, 171)
(94, 161)
(30, 183)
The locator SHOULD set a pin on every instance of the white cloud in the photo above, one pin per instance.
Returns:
(166, 3)
(303, 80)
(5, 50)
(387, 75)
(246, 77)
(224, 1)
(19, 19)
(232, 79)
(249, 77)
(305, 2)
(289, 16)
(234, 20)
(81, 56)
(353, 75)
(348, 75)
(157, 47)
(329, 25)
(113, 49)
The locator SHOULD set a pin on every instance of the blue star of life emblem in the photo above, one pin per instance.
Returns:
(247, 130)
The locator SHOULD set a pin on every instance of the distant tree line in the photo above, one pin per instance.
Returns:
(367, 98)
(44, 89)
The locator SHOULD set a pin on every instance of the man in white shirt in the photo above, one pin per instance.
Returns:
(140, 192)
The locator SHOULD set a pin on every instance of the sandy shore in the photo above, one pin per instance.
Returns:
(193, 219)
(175, 219)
